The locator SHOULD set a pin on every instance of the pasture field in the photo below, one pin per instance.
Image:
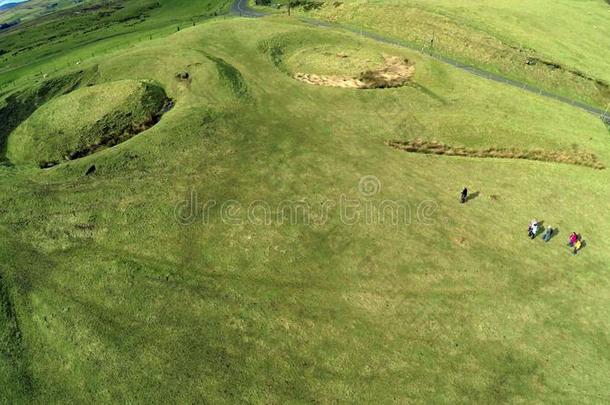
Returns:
(263, 242)
(560, 46)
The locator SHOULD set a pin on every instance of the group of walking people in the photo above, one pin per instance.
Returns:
(575, 242)
(534, 228)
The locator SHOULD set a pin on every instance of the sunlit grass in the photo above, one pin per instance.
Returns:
(118, 300)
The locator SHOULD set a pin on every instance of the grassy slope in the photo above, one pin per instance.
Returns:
(85, 118)
(117, 301)
(583, 44)
(48, 44)
(501, 36)
(32, 9)
(60, 121)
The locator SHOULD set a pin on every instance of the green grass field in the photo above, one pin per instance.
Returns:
(244, 248)
(560, 46)
(33, 10)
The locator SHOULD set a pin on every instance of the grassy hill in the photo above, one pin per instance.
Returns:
(559, 46)
(263, 243)
(83, 30)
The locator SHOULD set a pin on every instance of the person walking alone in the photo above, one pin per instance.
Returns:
(464, 195)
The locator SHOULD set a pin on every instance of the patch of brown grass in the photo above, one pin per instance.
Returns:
(578, 158)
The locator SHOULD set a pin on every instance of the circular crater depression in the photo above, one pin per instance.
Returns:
(87, 120)
(349, 67)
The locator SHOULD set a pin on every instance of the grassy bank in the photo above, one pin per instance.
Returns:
(560, 47)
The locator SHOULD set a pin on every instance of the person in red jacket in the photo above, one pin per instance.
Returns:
(573, 239)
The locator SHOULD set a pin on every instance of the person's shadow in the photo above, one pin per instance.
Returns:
(472, 196)
(555, 233)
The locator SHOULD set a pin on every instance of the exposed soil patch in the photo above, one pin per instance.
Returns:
(436, 148)
(330, 81)
(395, 72)
(90, 170)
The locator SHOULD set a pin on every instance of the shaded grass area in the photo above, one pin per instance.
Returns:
(15, 377)
(436, 148)
(231, 76)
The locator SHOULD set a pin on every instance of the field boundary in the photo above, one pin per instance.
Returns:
(578, 158)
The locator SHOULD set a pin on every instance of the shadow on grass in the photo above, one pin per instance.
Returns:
(472, 196)
(553, 235)
(583, 244)
(430, 93)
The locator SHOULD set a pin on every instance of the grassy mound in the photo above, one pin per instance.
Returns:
(356, 67)
(18, 106)
(533, 45)
(84, 121)
(334, 60)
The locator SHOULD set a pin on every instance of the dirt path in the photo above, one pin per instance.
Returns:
(240, 7)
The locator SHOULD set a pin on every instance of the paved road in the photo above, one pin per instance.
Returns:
(240, 7)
